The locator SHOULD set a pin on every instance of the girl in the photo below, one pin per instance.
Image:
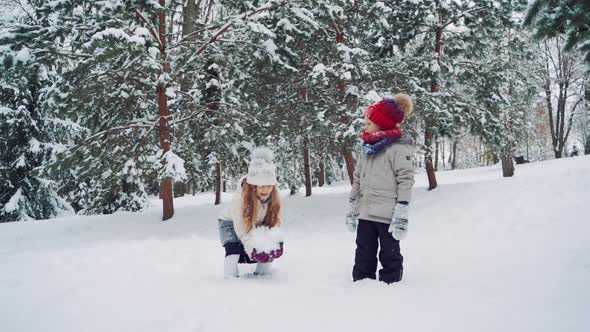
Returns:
(381, 191)
(249, 225)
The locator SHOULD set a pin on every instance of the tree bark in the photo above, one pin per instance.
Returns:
(165, 141)
(322, 175)
(293, 189)
(563, 66)
(548, 101)
(507, 162)
(442, 150)
(193, 183)
(450, 160)
(217, 181)
(349, 161)
(527, 146)
(434, 87)
(428, 160)
(341, 85)
(306, 167)
(179, 189)
(436, 148)
(190, 15)
(454, 161)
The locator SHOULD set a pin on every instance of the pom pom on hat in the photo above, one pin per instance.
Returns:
(262, 170)
(405, 103)
(263, 153)
(388, 113)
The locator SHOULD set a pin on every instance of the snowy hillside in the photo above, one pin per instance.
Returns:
(483, 253)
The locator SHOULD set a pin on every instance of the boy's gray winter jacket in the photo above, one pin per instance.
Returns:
(383, 179)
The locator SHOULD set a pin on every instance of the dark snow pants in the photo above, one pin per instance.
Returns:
(231, 242)
(369, 235)
(237, 248)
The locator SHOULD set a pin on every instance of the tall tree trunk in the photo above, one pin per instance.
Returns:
(548, 100)
(428, 160)
(562, 110)
(527, 146)
(507, 162)
(561, 118)
(306, 167)
(450, 160)
(190, 13)
(346, 150)
(217, 181)
(563, 68)
(322, 175)
(293, 189)
(443, 152)
(179, 189)
(193, 183)
(454, 162)
(349, 161)
(212, 96)
(436, 148)
(165, 140)
(482, 153)
(434, 87)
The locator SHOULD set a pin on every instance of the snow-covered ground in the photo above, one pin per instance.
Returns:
(483, 253)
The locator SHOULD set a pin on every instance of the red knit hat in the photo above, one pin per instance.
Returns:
(388, 113)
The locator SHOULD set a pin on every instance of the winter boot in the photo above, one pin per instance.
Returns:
(262, 269)
(230, 266)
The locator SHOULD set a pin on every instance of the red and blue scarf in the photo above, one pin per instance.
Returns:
(376, 142)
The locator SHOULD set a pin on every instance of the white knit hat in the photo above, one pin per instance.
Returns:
(261, 171)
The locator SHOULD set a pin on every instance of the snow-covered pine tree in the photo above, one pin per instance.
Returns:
(502, 94)
(110, 88)
(222, 95)
(286, 77)
(421, 47)
(551, 18)
(26, 139)
(585, 121)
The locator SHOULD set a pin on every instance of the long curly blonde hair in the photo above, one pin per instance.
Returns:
(250, 205)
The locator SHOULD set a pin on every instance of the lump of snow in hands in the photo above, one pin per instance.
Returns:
(265, 239)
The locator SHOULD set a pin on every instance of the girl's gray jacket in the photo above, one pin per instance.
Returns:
(383, 179)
